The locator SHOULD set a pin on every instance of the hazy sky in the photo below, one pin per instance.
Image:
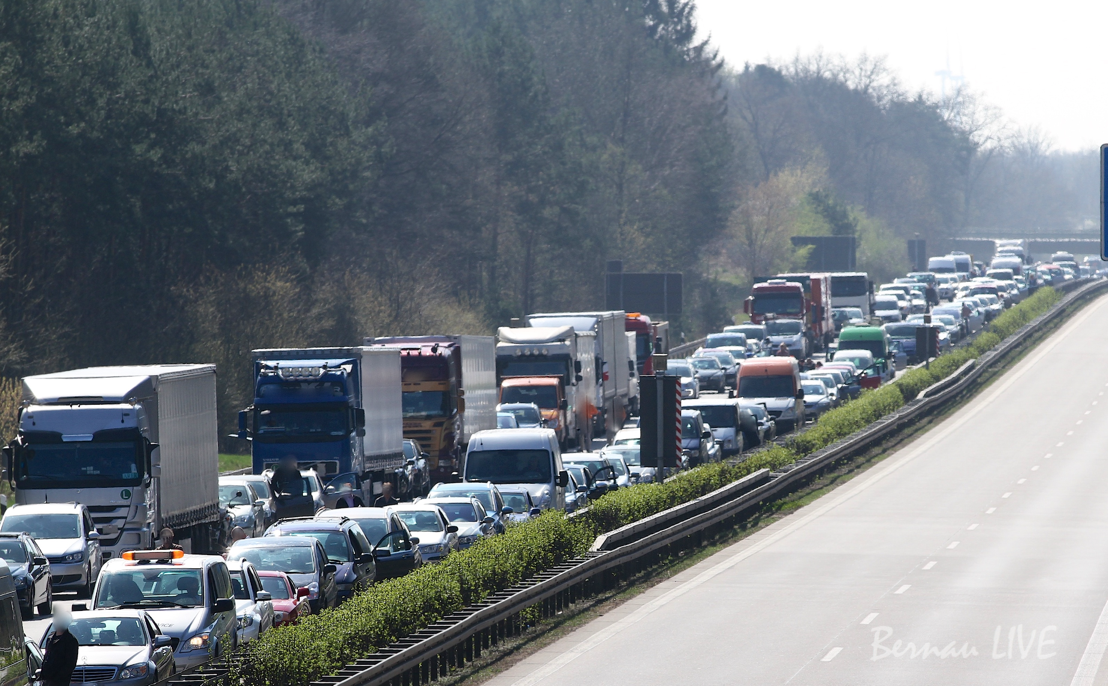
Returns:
(1038, 62)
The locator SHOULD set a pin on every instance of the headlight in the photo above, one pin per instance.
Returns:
(134, 671)
(466, 540)
(74, 557)
(197, 642)
(245, 621)
(313, 589)
(278, 617)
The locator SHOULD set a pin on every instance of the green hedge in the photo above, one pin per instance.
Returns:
(323, 643)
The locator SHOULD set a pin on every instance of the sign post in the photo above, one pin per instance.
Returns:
(660, 418)
(1103, 209)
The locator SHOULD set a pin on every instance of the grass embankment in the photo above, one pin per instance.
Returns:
(323, 643)
(230, 462)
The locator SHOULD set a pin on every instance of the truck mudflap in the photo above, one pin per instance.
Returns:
(381, 463)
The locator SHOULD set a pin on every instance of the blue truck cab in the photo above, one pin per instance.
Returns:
(336, 410)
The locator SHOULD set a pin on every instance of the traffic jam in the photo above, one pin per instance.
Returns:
(370, 461)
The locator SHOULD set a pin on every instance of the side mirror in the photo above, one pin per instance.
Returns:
(381, 552)
(263, 596)
(330, 568)
(563, 405)
(563, 479)
(94, 535)
(39, 561)
(705, 435)
(490, 520)
(302, 592)
(163, 641)
(582, 489)
(414, 540)
(800, 394)
(452, 529)
(579, 378)
(461, 404)
(577, 367)
(365, 558)
(507, 510)
(243, 431)
(426, 456)
(359, 418)
(224, 605)
(259, 503)
(535, 512)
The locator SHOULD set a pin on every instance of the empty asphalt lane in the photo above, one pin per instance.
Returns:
(976, 555)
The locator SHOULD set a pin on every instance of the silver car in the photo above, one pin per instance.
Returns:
(124, 647)
(253, 604)
(686, 377)
(437, 536)
(66, 535)
(466, 513)
(243, 503)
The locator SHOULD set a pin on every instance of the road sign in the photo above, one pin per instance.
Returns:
(1103, 222)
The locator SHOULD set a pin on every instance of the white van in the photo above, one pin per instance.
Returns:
(520, 457)
(941, 265)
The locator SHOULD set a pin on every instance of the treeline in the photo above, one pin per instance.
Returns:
(187, 180)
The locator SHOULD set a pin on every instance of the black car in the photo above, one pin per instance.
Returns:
(727, 361)
(346, 546)
(414, 478)
(396, 549)
(710, 373)
(30, 572)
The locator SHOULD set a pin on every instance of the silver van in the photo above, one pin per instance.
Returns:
(191, 598)
(521, 457)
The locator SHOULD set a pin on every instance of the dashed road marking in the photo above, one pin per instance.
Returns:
(953, 545)
(1035, 468)
(1007, 495)
(869, 618)
(1021, 481)
(971, 527)
(929, 565)
(902, 589)
(990, 510)
(831, 654)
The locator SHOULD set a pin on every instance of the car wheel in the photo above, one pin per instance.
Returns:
(48, 605)
(27, 613)
(86, 590)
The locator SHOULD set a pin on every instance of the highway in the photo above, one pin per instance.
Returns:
(978, 554)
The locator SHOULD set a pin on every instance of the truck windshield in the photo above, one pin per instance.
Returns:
(509, 466)
(849, 286)
(297, 423)
(419, 404)
(81, 464)
(778, 303)
(545, 397)
(765, 387)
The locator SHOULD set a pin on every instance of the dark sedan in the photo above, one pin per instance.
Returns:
(30, 572)
(728, 362)
(709, 372)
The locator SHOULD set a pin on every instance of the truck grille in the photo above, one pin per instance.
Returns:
(88, 675)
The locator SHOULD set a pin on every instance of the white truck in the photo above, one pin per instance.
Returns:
(613, 391)
(135, 444)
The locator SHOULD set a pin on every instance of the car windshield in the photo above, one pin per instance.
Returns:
(718, 416)
(509, 466)
(813, 389)
(725, 358)
(722, 340)
(516, 501)
(43, 526)
(789, 327)
(545, 397)
(420, 404)
(374, 528)
(154, 586)
(857, 358)
(882, 304)
(421, 520)
(682, 369)
(618, 466)
(751, 331)
(688, 427)
(282, 424)
(525, 414)
(758, 386)
(630, 454)
(459, 512)
(827, 381)
(290, 559)
(108, 631)
(13, 553)
(594, 464)
(483, 495)
(705, 363)
(230, 496)
(578, 473)
(335, 543)
(276, 587)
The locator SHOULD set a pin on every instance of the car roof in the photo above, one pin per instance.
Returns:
(188, 561)
(467, 485)
(417, 507)
(861, 333)
(275, 541)
(491, 439)
(329, 524)
(581, 457)
(47, 508)
(452, 499)
(353, 512)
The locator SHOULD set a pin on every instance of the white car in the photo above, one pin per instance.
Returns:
(626, 437)
(253, 604)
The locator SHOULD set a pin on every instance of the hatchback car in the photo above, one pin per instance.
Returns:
(119, 647)
(289, 602)
(345, 544)
(189, 596)
(632, 457)
(30, 571)
(253, 604)
(686, 378)
(65, 533)
(243, 503)
(437, 536)
(816, 399)
(386, 532)
(528, 415)
(468, 515)
(302, 558)
(486, 493)
(519, 499)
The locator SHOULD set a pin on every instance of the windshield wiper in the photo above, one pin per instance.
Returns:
(149, 602)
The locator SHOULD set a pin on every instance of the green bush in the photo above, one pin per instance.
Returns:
(323, 643)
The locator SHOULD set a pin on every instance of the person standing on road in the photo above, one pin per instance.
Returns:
(386, 498)
(165, 540)
(60, 656)
(783, 350)
(286, 478)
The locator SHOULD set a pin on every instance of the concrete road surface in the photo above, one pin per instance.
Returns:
(976, 555)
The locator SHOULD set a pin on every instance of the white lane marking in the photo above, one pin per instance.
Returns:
(1094, 652)
(953, 545)
(1035, 468)
(1069, 433)
(819, 508)
(869, 618)
(1088, 411)
(929, 565)
(1080, 420)
(1048, 456)
(1060, 444)
(902, 589)
(971, 527)
(831, 654)
(990, 510)
(1007, 495)
(1021, 481)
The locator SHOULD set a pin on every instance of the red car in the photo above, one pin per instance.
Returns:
(289, 602)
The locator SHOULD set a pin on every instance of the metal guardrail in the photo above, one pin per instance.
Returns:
(461, 637)
(686, 349)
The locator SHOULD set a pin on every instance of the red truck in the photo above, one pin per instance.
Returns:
(650, 337)
(803, 297)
